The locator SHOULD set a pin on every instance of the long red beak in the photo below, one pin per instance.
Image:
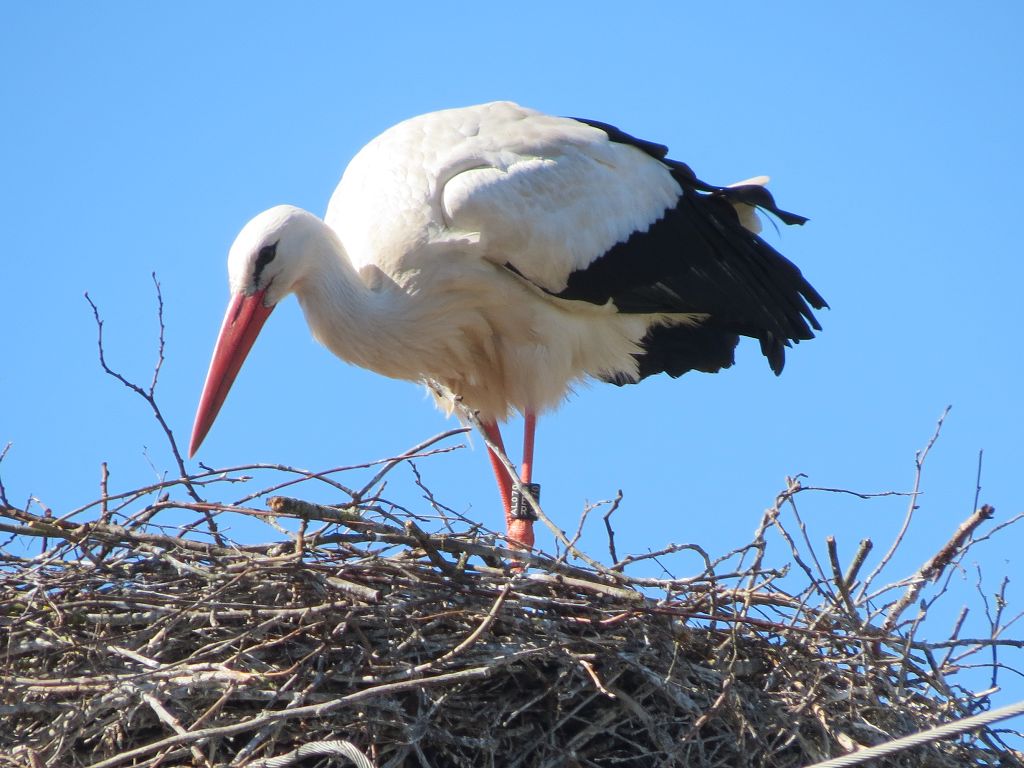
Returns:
(242, 323)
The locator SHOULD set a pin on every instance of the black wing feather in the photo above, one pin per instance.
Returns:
(699, 259)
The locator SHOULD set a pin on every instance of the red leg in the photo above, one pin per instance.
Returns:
(521, 531)
(518, 532)
(529, 428)
(500, 473)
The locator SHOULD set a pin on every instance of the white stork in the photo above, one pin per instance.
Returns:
(506, 254)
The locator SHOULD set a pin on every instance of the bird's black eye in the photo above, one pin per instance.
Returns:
(265, 256)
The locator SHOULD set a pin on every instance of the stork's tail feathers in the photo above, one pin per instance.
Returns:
(747, 212)
(744, 196)
(704, 256)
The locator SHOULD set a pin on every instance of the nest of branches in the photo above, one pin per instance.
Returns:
(135, 632)
(359, 637)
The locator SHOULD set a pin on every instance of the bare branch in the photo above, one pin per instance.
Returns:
(3, 491)
(936, 564)
(149, 396)
(919, 460)
(977, 481)
(608, 525)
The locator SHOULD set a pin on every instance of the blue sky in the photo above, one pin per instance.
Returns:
(139, 138)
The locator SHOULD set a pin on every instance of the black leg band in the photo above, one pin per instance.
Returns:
(521, 509)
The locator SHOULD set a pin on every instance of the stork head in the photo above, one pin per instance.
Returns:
(270, 253)
(266, 261)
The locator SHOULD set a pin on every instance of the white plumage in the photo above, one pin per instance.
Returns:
(507, 254)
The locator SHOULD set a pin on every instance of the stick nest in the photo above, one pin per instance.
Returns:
(359, 638)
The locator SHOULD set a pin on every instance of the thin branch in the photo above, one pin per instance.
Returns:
(977, 480)
(150, 395)
(3, 491)
(608, 526)
(919, 459)
(414, 452)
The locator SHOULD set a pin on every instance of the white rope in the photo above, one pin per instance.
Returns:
(949, 729)
(316, 748)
